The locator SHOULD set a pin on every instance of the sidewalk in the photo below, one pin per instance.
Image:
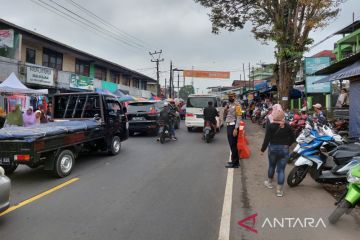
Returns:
(301, 214)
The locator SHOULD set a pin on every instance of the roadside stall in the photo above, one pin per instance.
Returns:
(352, 73)
(16, 93)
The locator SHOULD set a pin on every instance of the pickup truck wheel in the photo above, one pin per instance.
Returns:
(115, 146)
(9, 169)
(64, 163)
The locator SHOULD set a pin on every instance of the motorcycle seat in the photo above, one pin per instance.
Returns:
(352, 147)
(343, 157)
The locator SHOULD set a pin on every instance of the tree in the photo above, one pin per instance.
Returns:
(285, 22)
(186, 91)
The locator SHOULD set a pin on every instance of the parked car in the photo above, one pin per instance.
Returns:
(143, 117)
(82, 122)
(4, 191)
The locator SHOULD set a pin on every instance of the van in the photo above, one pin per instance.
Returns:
(194, 117)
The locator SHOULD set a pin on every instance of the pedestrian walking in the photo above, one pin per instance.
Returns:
(278, 138)
(233, 117)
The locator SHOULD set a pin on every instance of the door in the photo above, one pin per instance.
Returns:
(115, 118)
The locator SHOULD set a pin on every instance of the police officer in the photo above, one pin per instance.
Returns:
(233, 117)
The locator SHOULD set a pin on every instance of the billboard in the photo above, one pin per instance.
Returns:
(206, 74)
(81, 82)
(7, 38)
(312, 65)
(39, 75)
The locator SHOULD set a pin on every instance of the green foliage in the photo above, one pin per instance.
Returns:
(285, 22)
(186, 91)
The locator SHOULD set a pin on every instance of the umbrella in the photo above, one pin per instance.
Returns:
(154, 98)
(127, 98)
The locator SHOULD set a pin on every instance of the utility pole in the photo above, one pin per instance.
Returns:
(171, 80)
(244, 74)
(157, 61)
(165, 92)
(253, 71)
(250, 76)
(178, 84)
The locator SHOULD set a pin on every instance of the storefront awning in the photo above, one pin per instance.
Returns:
(345, 73)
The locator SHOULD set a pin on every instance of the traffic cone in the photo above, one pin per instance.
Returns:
(242, 124)
(243, 149)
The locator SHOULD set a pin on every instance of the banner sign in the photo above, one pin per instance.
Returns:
(7, 38)
(312, 65)
(81, 82)
(206, 74)
(112, 87)
(39, 75)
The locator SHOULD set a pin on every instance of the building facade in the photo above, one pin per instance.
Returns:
(43, 62)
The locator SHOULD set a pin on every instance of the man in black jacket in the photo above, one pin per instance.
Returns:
(210, 114)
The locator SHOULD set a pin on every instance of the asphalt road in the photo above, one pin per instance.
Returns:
(149, 191)
(172, 191)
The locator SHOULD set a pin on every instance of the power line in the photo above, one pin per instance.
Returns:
(97, 26)
(69, 18)
(123, 33)
(86, 22)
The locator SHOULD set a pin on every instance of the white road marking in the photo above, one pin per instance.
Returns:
(224, 232)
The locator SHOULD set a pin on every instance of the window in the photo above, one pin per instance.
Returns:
(82, 67)
(52, 59)
(30, 55)
(100, 73)
(136, 83)
(200, 102)
(115, 77)
(76, 106)
(113, 106)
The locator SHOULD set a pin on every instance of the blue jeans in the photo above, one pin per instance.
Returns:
(278, 157)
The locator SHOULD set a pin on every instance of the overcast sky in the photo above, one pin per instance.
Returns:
(181, 28)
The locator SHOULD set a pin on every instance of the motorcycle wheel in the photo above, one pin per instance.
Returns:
(297, 175)
(162, 139)
(207, 138)
(342, 208)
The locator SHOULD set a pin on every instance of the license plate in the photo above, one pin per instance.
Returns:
(200, 116)
(137, 118)
(5, 161)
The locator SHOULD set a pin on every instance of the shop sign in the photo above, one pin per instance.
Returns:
(318, 87)
(39, 75)
(7, 38)
(112, 87)
(312, 65)
(81, 82)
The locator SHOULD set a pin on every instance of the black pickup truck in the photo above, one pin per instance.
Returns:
(82, 122)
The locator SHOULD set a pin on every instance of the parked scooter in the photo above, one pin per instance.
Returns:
(209, 132)
(313, 152)
(256, 115)
(350, 198)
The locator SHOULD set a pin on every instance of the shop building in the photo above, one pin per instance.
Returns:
(41, 62)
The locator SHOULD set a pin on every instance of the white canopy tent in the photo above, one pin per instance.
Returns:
(13, 85)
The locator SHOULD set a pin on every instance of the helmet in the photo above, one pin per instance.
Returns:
(170, 100)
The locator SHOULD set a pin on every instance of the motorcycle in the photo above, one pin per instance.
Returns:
(350, 198)
(209, 132)
(164, 132)
(313, 152)
(256, 115)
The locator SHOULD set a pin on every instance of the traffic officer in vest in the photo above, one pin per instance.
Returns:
(233, 118)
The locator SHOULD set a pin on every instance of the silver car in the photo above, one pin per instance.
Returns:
(4, 191)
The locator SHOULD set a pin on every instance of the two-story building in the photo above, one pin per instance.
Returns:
(41, 62)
